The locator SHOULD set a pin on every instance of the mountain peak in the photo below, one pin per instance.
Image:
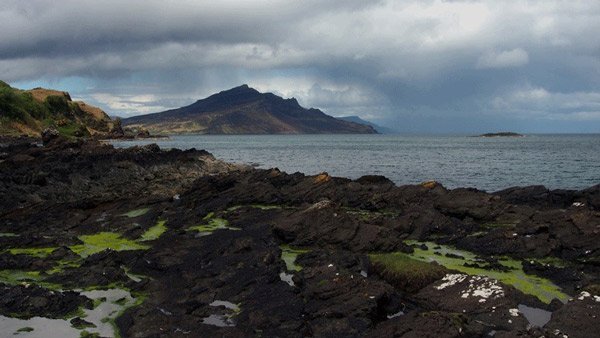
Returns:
(245, 110)
(240, 90)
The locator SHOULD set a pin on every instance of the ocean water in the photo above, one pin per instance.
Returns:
(491, 164)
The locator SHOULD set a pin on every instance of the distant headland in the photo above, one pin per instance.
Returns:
(501, 134)
(244, 110)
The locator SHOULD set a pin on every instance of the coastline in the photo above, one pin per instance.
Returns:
(201, 234)
(489, 164)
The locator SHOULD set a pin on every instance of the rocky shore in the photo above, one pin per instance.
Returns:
(144, 242)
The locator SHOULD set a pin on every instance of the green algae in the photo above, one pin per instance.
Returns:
(542, 288)
(62, 265)
(35, 252)
(136, 212)
(96, 302)
(134, 277)
(21, 277)
(255, 206)
(8, 234)
(477, 234)
(404, 267)
(289, 255)
(550, 260)
(18, 276)
(99, 242)
(154, 232)
(86, 334)
(113, 302)
(101, 302)
(213, 224)
(25, 329)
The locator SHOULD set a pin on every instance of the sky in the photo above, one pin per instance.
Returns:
(416, 66)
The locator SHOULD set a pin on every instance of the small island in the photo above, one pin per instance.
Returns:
(501, 134)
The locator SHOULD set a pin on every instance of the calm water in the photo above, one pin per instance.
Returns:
(556, 161)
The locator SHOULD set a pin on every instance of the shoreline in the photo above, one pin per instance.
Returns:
(190, 234)
(489, 165)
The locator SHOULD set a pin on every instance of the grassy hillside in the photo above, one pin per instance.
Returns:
(31, 111)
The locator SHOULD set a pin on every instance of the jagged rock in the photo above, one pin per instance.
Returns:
(49, 134)
(262, 252)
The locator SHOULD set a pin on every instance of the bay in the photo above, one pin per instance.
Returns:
(555, 161)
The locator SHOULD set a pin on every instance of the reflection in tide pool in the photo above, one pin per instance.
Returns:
(110, 304)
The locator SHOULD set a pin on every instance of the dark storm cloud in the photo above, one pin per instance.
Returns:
(475, 64)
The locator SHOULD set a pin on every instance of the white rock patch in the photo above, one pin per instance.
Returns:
(484, 288)
(451, 279)
(583, 295)
(479, 286)
(514, 312)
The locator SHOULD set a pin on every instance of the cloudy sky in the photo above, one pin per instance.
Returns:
(417, 66)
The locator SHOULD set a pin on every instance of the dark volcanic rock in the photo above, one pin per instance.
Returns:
(26, 301)
(578, 318)
(49, 134)
(77, 171)
(212, 249)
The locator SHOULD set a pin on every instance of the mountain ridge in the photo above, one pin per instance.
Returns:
(244, 110)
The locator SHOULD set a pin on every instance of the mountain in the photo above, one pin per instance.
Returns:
(244, 110)
(378, 128)
(28, 112)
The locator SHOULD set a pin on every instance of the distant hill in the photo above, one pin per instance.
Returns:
(28, 112)
(244, 110)
(378, 128)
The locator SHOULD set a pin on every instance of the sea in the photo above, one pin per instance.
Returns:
(556, 161)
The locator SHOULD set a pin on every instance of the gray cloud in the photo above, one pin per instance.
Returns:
(506, 59)
(477, 61)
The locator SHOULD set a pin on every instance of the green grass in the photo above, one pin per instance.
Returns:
(99, 242)
(20, 106)
(72, 130)
(154, 232)
(542, 288)
(56, 111)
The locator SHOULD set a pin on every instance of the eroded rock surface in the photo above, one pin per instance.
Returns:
(201, 246)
